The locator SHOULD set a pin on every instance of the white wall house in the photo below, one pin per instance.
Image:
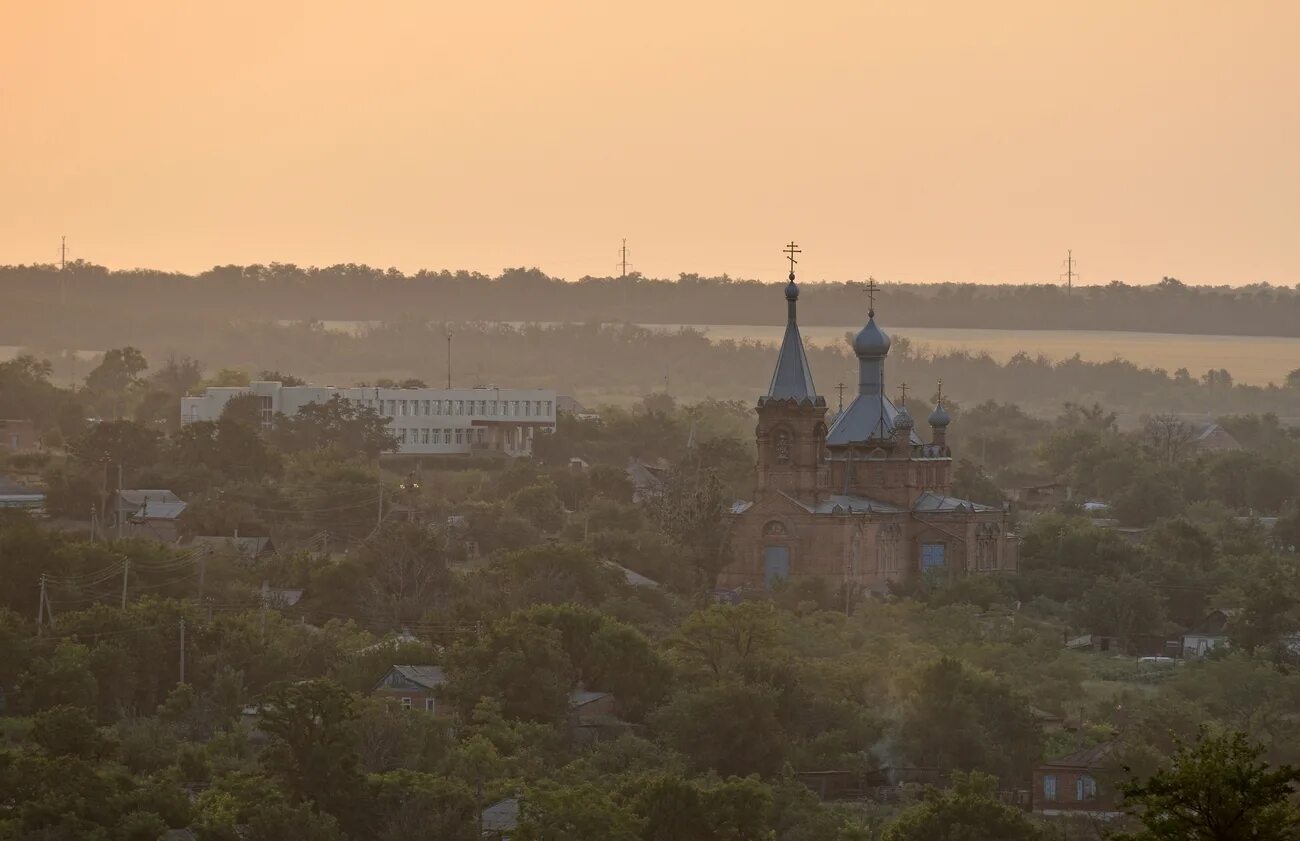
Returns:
(435, 421)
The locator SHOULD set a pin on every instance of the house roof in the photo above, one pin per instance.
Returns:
(151, 504)
(429, 677)
(933, 502)
(501, 816)
(1093, 757)
(582, 697)
(632, 577)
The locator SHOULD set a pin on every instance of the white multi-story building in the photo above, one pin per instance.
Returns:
(434, 421)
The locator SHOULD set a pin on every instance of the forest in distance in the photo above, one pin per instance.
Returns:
(103, 308)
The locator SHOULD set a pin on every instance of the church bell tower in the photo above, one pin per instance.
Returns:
(791, 431)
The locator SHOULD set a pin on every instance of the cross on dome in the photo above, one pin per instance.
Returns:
(790, 251)
(871, 288)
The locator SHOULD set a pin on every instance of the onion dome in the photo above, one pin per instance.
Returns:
(903, 420)
(871, 340)
(940, 417)
(792, 290)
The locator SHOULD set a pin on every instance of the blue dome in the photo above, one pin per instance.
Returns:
(871, 340)
(903, 420)
(940, 416)
(791, 290)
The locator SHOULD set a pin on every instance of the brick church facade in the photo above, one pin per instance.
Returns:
(863, 502)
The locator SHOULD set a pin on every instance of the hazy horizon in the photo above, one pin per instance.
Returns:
(932, 143)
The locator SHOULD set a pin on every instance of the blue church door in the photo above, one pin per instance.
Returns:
(776, 564)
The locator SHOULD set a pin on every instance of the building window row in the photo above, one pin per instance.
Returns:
(429, 435)
(481, 408)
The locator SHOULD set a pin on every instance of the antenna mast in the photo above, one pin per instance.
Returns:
(623, 264)
(1070, 273)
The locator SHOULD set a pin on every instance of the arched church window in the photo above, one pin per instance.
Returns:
(774, 528)
(783, 440)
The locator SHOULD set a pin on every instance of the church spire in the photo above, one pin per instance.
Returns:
(792, 378)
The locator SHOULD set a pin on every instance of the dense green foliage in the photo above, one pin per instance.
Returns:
(514, 578)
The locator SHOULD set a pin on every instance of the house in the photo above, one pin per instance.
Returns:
(17, 435)
(414, 687)
(1212, 438)
(593, 717)
(149, 513)
(1041, 496)
(1210, 633)
(244, 548)
(499, 821)
(1074, 784)
(567, 405)
(647, 479)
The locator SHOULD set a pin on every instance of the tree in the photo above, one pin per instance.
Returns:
(119, 369)
(689, 510)
(730, 727)
(116, 442)
(967, 720)
(574, 813)
(722, 638)
(313, 750)
(1167, 437)
(969, 811)
(1124, 608)
(281, 378)
(517, 662)
(1216, 790)
(337, 422)
(409, 806)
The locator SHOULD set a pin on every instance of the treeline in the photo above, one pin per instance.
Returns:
(622, 363)
(83, 300)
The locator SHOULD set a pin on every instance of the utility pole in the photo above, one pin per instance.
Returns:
(182, 680)
(119, 500)
(203, 568)
(379, 522)
(266, 600)
(449, 335)
(63, 270)
(126, 574)
(40, 611)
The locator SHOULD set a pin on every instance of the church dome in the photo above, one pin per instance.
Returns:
(940, 417)
(903, 420)
(791, 290)
(871, 340)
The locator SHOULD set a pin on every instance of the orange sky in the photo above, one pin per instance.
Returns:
(918, 141)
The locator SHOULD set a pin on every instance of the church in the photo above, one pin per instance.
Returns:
(862, 503)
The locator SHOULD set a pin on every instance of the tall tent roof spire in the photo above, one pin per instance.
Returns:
(792, 378)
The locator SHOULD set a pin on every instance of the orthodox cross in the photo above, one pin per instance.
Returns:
(902, 388)
(939, 401)
(840, 388)
(871, 288)
(790, 251)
